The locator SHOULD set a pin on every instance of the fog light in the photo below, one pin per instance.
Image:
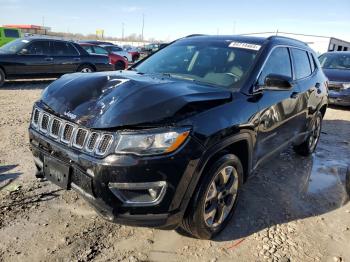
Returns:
(139, 194)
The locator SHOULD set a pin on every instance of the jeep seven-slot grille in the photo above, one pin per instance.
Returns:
(62, 131)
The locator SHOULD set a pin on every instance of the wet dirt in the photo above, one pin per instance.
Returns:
(292, 209)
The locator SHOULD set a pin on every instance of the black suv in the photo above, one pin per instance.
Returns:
(170, 142)
(46, 57)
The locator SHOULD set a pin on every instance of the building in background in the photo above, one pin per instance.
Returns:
(320, 44)
(31, 29)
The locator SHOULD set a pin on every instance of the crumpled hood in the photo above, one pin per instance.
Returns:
(126, 98)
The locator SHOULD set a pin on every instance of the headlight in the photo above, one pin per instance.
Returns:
(151, 142)
(346, 85)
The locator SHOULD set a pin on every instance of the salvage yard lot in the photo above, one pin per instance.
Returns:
(292, 209)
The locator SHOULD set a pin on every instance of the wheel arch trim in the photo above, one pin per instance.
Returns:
(245, 136)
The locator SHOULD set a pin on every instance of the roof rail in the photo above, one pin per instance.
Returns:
(194, 35)
(287, 38)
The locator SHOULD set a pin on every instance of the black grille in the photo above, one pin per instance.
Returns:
(36, 114)
(104, 144)
(90, 146)
(55, 127)
(67, 133)
(80, 138)
(45, 122)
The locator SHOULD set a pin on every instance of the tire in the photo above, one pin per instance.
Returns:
(119, 65)
(86, 69)
(201, 221)
(310, 144)
(2, 77)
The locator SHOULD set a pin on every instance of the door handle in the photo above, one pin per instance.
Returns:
(48, 59)
(318, 87)
(76, 59)
(294, 95)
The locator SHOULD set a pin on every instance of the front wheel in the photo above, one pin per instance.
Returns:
(309, 145)
(2, 77)
(85, 69)
(215, 201)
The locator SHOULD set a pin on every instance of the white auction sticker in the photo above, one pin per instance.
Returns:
(245, 46)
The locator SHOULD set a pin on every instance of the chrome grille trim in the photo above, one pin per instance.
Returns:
(55, 127)
(104, 144)
(44, 122)
(80, 138)
(35, 117)
(92, 142)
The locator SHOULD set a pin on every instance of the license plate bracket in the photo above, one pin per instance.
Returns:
(57, 172)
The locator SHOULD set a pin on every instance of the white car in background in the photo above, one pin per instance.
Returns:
(118, 50)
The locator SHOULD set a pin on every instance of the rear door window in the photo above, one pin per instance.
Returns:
(88, 48)
(38, 48)
(278, 63)
(64, 49)
(301, 63)
(12, 33)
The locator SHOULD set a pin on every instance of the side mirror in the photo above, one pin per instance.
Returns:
(278, 82)
(23, 52)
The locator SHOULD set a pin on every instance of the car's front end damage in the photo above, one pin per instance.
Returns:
(339, 93)
(94, 134)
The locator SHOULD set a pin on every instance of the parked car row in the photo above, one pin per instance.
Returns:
(46, 57)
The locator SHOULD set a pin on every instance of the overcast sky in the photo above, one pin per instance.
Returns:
(168, 20)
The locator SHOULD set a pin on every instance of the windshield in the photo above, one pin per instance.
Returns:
(335, 61)
(214, 63)
(14, 46)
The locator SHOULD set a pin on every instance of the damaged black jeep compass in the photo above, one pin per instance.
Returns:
(170, 142)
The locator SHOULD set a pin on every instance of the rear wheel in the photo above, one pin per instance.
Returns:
(120, 65)
(2, 77)
(215, 201)
(309, 145)
(85, 69)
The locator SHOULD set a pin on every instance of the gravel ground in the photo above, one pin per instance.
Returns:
(293, 209)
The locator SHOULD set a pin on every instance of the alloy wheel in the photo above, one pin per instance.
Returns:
(86, 70)
(221, 196)
(315, 133)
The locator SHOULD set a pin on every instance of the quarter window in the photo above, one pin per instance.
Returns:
(278, 63)
(64, 49)
(301, 63)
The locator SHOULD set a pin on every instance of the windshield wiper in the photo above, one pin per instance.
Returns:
(178, 76)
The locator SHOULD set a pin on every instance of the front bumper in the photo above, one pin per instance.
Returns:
(341, 98)
(92, 176)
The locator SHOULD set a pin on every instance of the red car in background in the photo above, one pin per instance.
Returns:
(119, 62)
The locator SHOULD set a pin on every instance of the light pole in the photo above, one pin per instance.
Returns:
(143, 25)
